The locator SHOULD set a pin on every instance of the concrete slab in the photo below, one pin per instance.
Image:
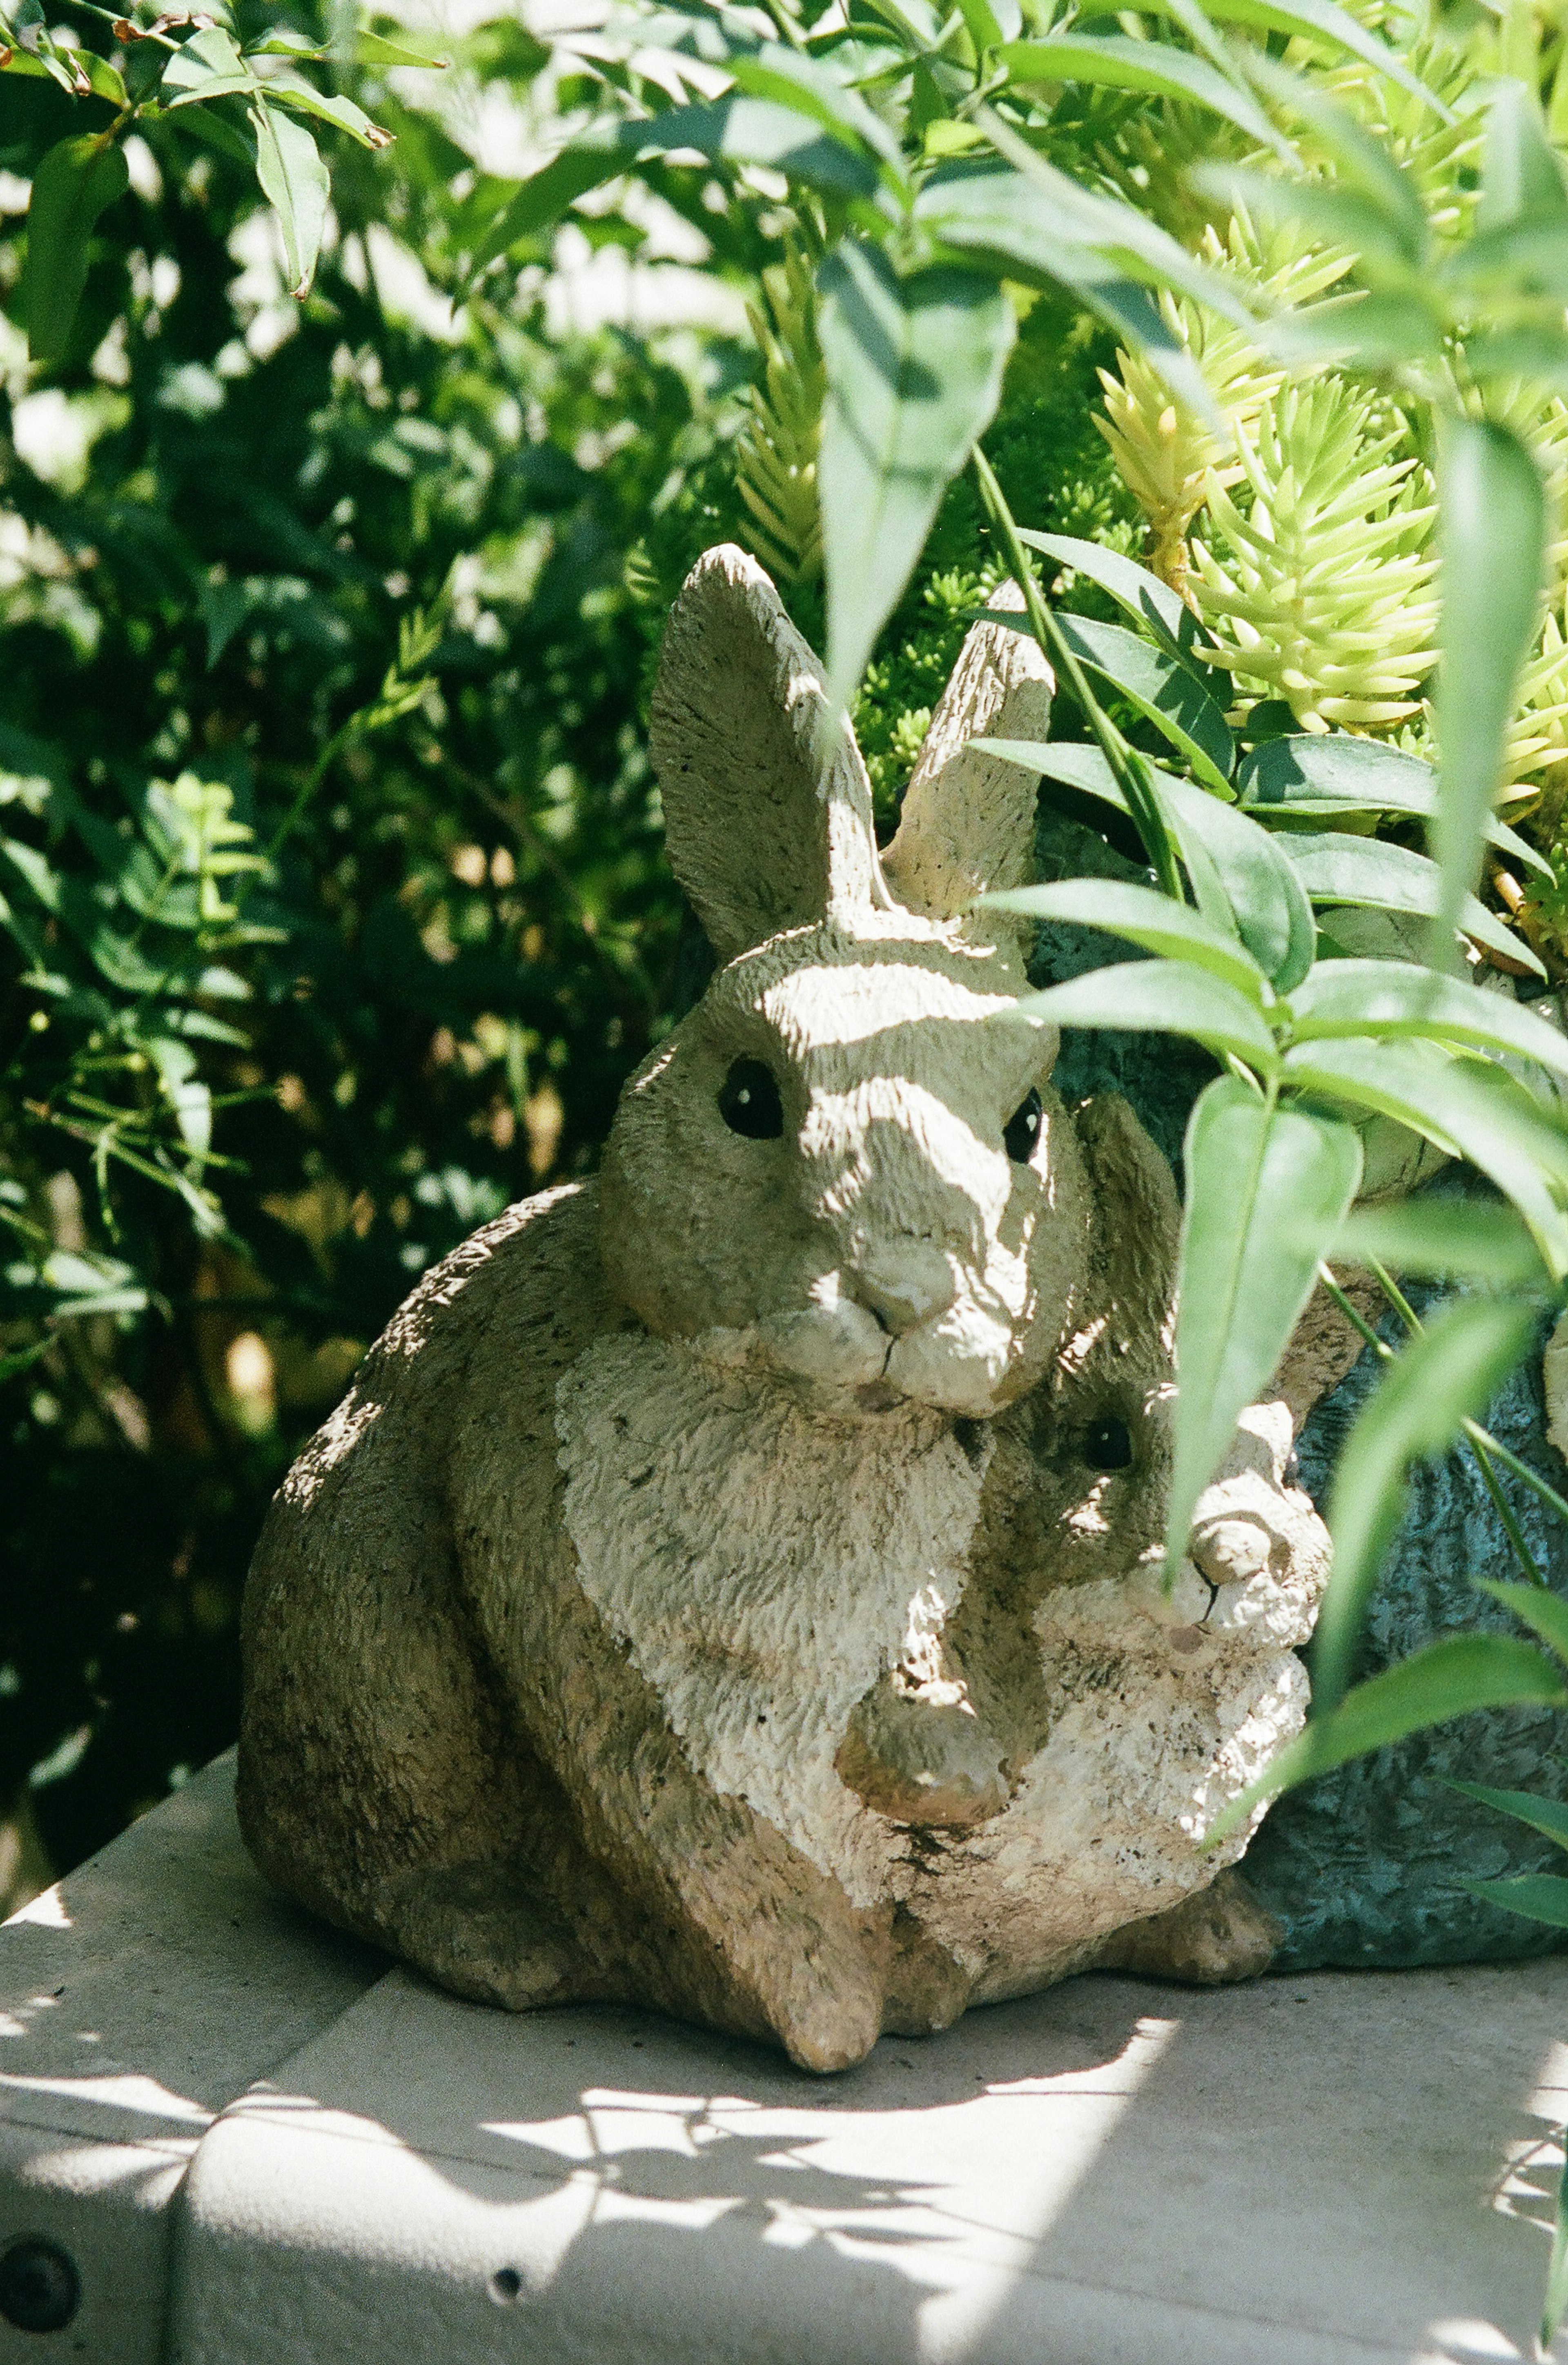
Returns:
(1320, 2170)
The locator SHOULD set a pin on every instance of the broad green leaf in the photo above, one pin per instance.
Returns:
(1490, 539)
(596, 155)
(329, 108)
(73, 184)
(1301, 774)
(1444, 1240)
(1547, 1816)
(1267, 1189)
(736, 129)
(1539, 1896)
(1147, 600)
(1167, 692)
(1143, 916)
(914, 373)
(1258, 891)
(1446, 1375)
(1527, 258)
(1376, 876)
(1545, 1612)
(1318, 20)
(1466, 1109)
(1124, 64)
(294, 180)
(207, 66)
(1454, 1677)
(1375, 997)
(1162, 997)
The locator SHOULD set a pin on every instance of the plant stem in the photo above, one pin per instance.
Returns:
(1521, 1470)
(1127, 769)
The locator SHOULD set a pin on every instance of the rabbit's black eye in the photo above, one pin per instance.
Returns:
(749, 1101)
(1106, 1444)
(1022, 1130)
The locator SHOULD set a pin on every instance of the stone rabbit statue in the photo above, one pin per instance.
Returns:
(735, 1583)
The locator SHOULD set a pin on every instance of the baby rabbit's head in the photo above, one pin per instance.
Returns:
(834, 1160)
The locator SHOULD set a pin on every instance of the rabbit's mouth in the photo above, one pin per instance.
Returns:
(960, 1363)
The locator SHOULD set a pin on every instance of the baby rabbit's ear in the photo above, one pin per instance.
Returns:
(764, 832)
(968, 824)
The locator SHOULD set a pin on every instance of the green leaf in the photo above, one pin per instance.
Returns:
(810, 88)
(1444, 1240)
(1545, 1612)
(740, 130)
(1318, 20)
(1267, 1189)
(1369, 329)
(1163, 997)
(376, 50)
(914, 373)
(294, 180)
(1446, 1375)
(1257, 893)
(1490, 539)
(1124, 64)
(1454, 1677)
(207, 66)
(596, 155)
(1547, 1816)
(1519, 175)
(1143, 916)
(1169, 693)
(1466, 1108)
(1303, 773)
(73, 184)
(1376, 876)
(1539, 1896)
(330, 109)
(1147, 600)
(1375, 997)
(1330, 215)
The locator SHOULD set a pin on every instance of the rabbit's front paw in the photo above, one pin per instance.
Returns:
(820, 1994)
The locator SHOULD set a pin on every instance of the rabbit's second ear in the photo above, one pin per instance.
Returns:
(968, 824)
(764, 832)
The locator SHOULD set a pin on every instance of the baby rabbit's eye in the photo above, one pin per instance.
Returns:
(749, 1101)
(1022, 1130)
(1106, 1444)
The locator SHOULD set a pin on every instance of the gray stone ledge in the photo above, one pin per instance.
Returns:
(257, 2143)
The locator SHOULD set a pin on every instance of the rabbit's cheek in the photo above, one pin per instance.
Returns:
(959, 1364)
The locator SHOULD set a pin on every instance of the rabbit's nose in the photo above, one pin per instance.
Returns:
(904, 1283)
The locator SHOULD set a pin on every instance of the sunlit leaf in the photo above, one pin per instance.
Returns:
(1144, 918)
(1374, 997)
(1169, 693)
(1447, 1374)
(1444, 1240)
(1164, 997)
(1267, 1189)
(1122, 65)
(329, 107)
(1491, 527)
(1303, 773)
(1372, 874)
(914, 373)
(294, 180)
(1147, 600)
(1320, 21)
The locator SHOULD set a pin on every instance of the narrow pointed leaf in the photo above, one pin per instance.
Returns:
(1546, 1613)
(914, 373)
(1305, 774)
(1168, 692)
(1547, 1816)
(1519, 175)
(1444, 1240)
(1144, 918)
(330, 106)
(1367, 871)
(1454, 1677)
(1539, 1896)
(1490, 540)
(1373, 997)
(1449, 1374)
(1267, 1189)
(294, 180)
(1122, 64)
(1319, 20)
(1147, 600)
(1465, 1109)
(1163, 997)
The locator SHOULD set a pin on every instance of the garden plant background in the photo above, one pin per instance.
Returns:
(334, 551)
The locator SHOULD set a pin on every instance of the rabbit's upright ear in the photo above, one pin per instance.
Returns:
(968, 824)
(764, 832)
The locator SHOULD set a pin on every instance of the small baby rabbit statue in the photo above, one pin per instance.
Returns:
(735, 1584)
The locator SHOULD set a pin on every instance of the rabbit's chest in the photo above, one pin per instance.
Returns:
(762, 1567)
